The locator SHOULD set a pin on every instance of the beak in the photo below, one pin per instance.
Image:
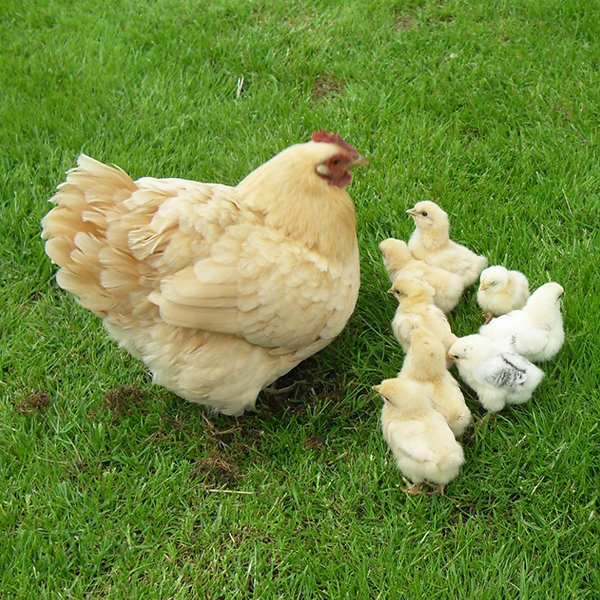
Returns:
(449, 357)
(483, 287)
(390, 291)
(376, 388)
(361, 161)
(412, 212)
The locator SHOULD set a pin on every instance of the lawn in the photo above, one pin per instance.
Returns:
(114, 488)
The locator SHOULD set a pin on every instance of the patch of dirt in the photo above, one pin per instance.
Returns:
(216, 469)
(34, 402)
(314, 443)
(327, 86)
(121, 400)
(403, 21)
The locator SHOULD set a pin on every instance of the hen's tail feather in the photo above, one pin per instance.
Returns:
(76, 231)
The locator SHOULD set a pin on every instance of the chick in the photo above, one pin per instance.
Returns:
(499, 378)
(399, 262)
(417, 310)
(501, 291)
(431, 242)
(417, 434)
(425, 364)
(535, 331)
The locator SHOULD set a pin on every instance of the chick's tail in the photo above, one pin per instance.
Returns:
(82, 237)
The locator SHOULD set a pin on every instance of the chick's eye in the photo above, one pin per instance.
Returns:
(424, 213)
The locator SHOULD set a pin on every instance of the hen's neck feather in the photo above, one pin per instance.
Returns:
(291, 198)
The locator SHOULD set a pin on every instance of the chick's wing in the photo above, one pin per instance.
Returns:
(410, 438)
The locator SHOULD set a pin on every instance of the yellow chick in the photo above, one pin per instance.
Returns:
(416, 310)
(399, 262)
(425, 363)
(501, 291)
(431, 242)
(422, 443)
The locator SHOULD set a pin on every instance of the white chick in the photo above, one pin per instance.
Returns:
(399, 262)
(499, 378)
(425, 364)
(535, 331)
(418, 436)
(431, 242)
(416, 310)
(501, 291)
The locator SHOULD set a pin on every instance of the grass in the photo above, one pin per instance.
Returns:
(113, 488)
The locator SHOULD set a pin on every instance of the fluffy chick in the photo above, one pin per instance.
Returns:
(416, 310)
(501, 291)
(499, 378)
(399, 262)
(425, 364)
(431, 243)
(535, 331)
(420, 439)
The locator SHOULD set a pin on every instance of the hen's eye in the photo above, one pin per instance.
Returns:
(424, 213)
(336, 161)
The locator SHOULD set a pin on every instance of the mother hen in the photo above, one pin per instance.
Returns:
(219, 290)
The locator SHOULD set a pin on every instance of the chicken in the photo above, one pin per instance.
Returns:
(420, 439)
(416, 310)
(399, 262)
(219, 290)
(425, 364)
(501, 291)
(498, 377)
(536, 330)
(431, 243)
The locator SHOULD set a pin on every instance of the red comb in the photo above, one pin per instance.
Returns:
(332, 138)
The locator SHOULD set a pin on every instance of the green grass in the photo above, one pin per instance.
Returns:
(489, 108)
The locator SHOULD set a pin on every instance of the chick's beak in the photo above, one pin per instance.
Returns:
(412, 212)
(483, 287)
(361, 161)
(390, 291)
(449, 357)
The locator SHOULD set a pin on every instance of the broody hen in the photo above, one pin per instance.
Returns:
(219, 290)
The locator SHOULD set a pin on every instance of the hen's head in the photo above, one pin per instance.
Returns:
(335, 158)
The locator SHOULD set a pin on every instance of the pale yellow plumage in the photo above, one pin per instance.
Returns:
(425, 364)
(431, 243)
(416, 310)
(399, 262)
(219, 290)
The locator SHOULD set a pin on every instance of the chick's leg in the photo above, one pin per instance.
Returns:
(411, 489)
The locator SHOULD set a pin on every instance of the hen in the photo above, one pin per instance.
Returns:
(431, 243)
(422, 443)
(501, 291)
(399, 262)
(219, 290)
(536, 330)
(498, 377)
